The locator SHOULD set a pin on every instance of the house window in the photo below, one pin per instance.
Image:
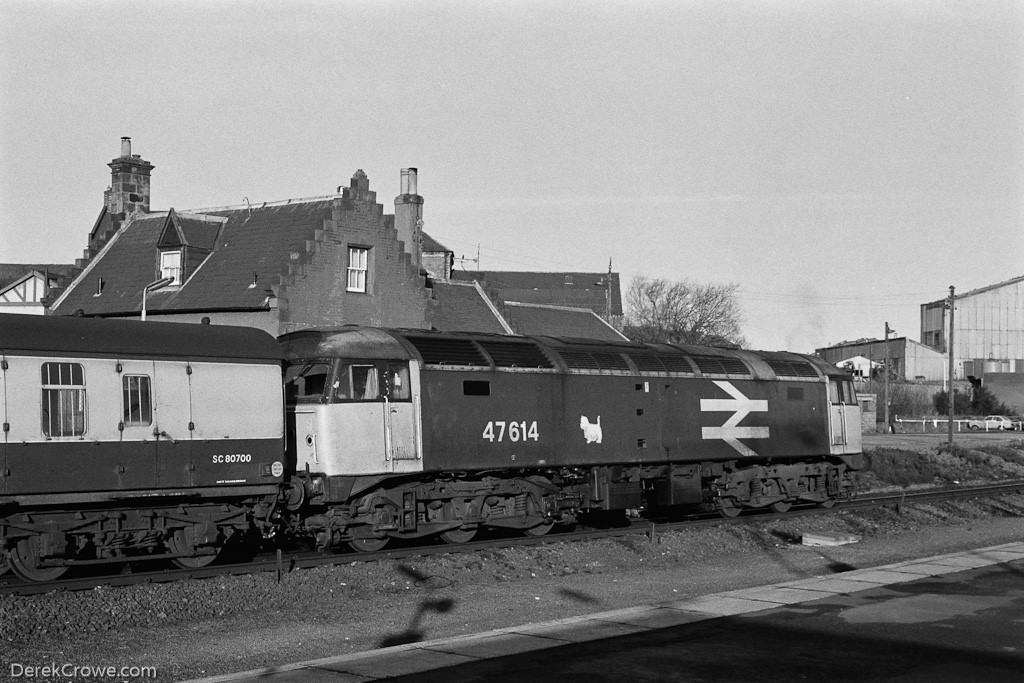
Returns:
(170, 266)
(138, 402)
(63, 399)
(358, 258)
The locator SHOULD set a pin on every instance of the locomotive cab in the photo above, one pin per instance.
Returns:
(353, 404)
(844, 416)
(352, 416)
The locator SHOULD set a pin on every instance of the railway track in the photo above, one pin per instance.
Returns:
(283, 562)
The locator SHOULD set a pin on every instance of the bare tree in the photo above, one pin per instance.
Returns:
(682, 312)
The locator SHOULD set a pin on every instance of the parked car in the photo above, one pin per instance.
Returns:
(993, 422)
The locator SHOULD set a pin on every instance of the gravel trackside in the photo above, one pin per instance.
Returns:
(198, 628)
(205, 627)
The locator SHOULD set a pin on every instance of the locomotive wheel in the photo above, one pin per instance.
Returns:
(457, 536)
(540, 529)
(780, 506)
(179, 544)
(368, 545)
(728, 507)
(24, 561)
(827, 503)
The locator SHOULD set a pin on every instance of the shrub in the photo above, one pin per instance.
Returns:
(961, 403)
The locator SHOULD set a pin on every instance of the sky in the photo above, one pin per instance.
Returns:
(840, 162)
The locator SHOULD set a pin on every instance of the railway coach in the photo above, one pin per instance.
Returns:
(401, 434)
(125, 440)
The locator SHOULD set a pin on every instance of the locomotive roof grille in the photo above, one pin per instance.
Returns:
(593, 360)
(647, 362)
(676, 364)
(792, 368)
(661, 363)
(448, 351)
(515, 354)
(720, 365)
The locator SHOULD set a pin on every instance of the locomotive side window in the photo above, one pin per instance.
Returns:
(398, 386)
(306, 380)
(356, 383)
(841, 391)
(138, 401)
(63, 399)
(369, 381)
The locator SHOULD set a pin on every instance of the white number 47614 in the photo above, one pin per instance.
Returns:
(498, 430)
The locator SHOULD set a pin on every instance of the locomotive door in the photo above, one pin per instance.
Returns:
(172, 415)
(399, 415)
(137, 448)
(844, 416)
(378, 425)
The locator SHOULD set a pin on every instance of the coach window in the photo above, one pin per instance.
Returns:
(63, 399)
(138, 402)
(306, 380)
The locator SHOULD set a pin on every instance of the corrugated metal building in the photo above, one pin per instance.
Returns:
(988, 334)
(908, 359)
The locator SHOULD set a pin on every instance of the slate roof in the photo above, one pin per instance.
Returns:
(574, 290)
(191, 230)
(430, 244)
(558, 321)
(460, 308)
(252, 241)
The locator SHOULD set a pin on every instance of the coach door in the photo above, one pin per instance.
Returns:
(172, 414)
(844, 416)
(136, 421)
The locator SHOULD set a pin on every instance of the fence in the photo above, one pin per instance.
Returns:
(963, 424)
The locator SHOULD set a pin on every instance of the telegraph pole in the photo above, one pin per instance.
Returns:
(949, 348)
(885, 371)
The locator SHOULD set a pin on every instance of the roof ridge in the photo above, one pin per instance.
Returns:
(260, 205)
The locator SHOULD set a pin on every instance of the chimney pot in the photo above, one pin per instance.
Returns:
(404, 184)
(412, 182)
(126, 147)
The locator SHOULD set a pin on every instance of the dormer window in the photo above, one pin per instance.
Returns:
(170, 266)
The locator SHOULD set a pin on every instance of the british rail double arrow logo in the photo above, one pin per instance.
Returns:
(740, 406)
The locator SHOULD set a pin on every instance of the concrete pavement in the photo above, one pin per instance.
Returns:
(931, 619)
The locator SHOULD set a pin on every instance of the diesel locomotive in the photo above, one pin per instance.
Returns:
(124, 440)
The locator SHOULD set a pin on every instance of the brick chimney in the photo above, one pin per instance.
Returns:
(409, 215)
(128, 193)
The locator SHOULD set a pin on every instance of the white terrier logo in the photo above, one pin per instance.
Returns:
(591, 431)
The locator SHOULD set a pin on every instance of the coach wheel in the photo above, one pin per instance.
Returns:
(24, 561)
(178, 543)
(540, 529)
(729, 507)
(368, 545)
(780, 506)
(827, 503)
(457, 536)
